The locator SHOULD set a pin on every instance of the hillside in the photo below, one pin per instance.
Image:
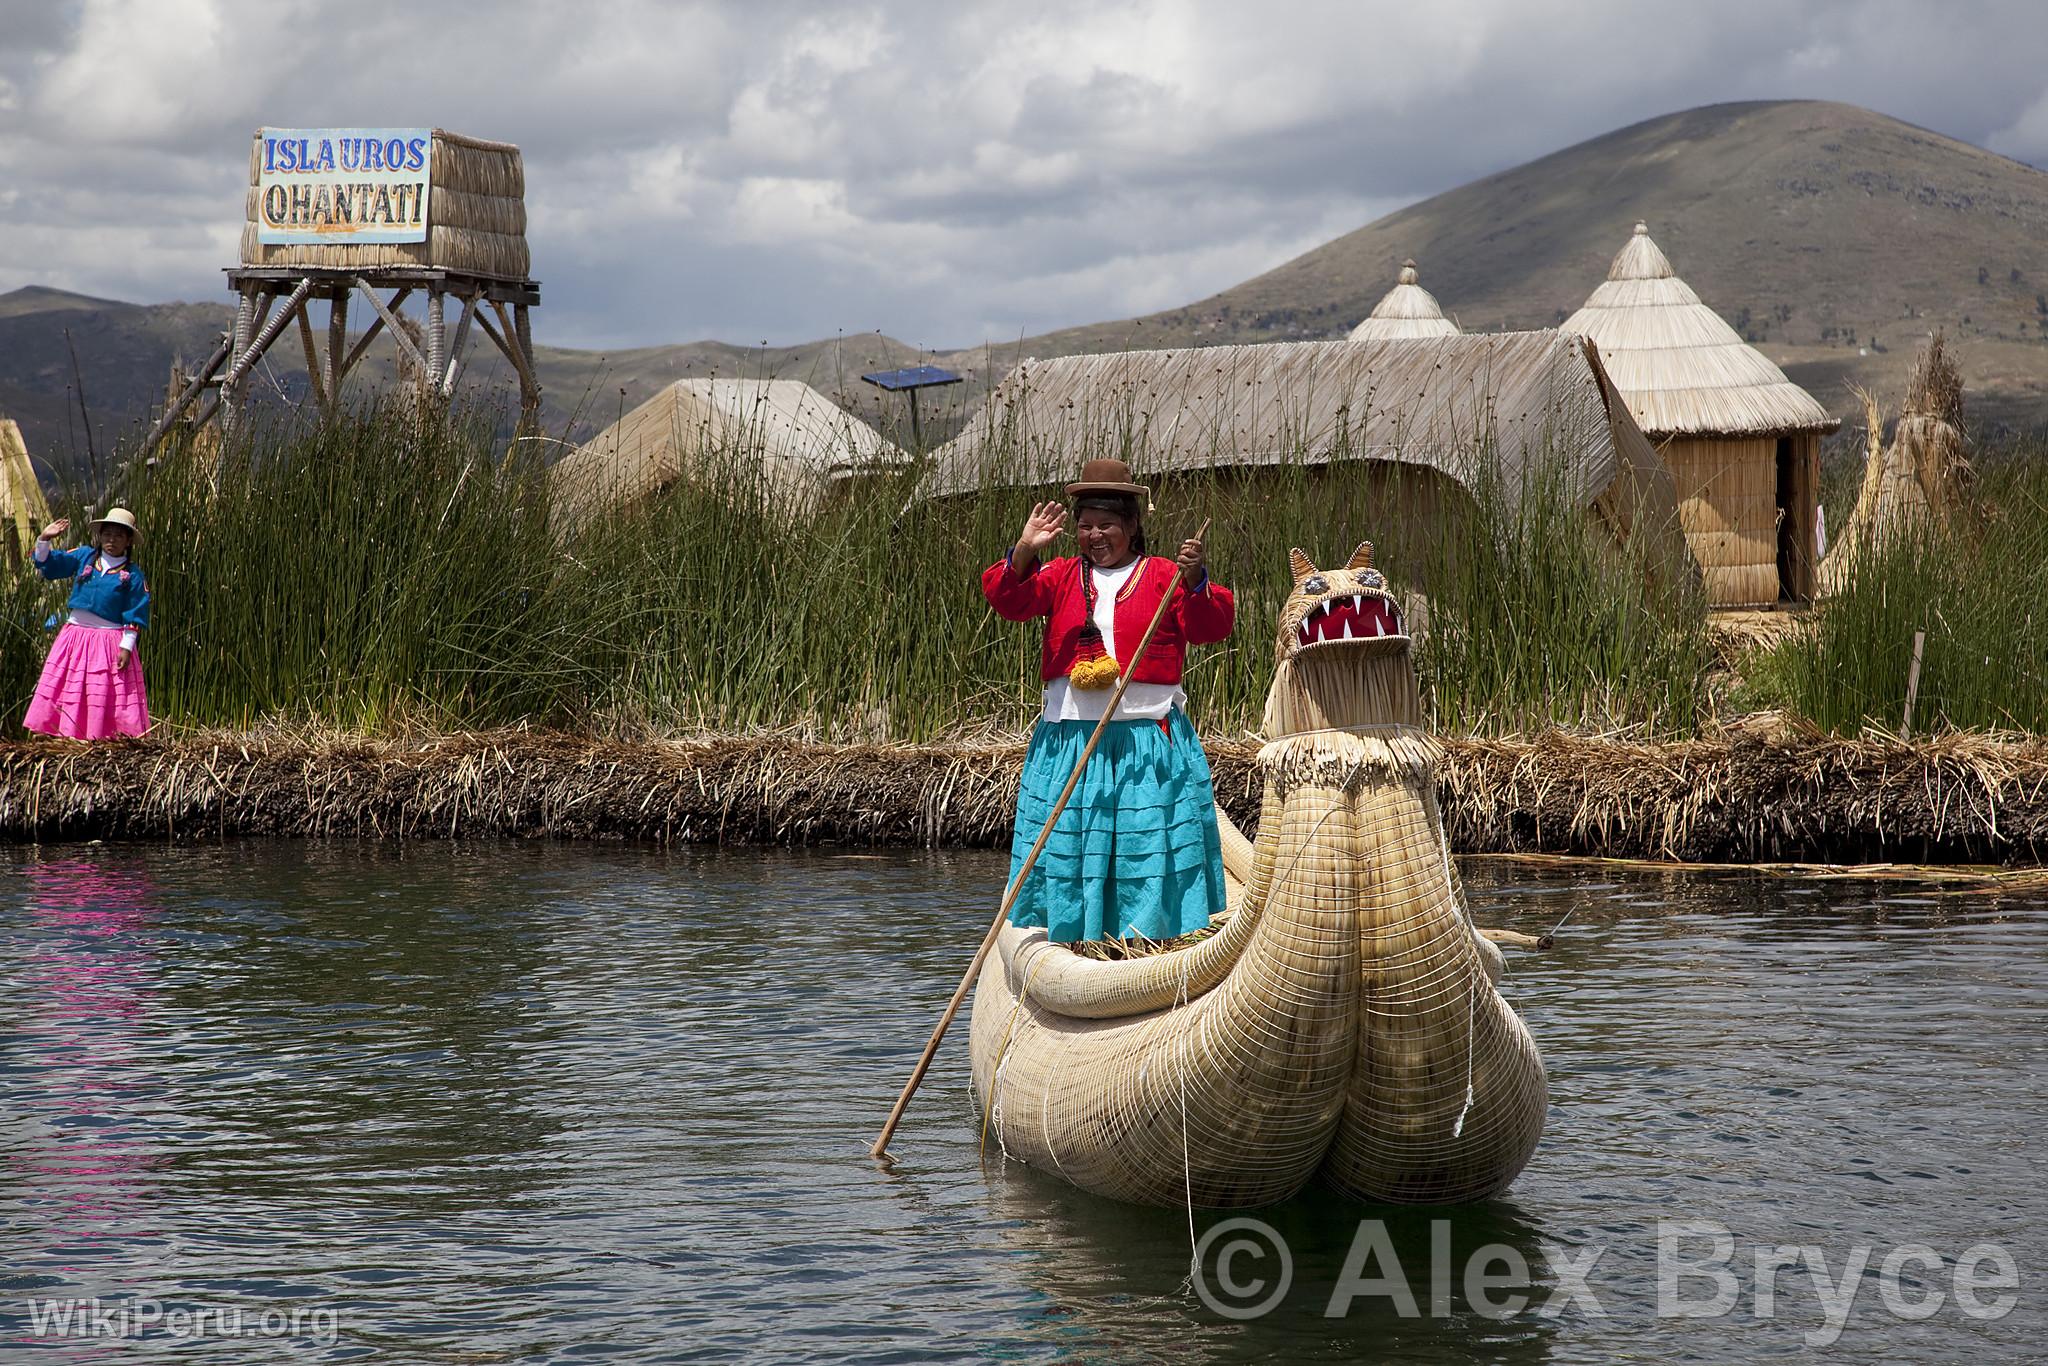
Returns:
(1832, 236)
(125, 353)
(124, 356)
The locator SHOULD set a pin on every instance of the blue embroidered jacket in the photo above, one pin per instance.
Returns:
(113, 594)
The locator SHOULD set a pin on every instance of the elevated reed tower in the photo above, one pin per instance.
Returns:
(388, 216)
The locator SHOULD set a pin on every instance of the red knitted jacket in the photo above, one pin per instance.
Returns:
(1053, 591)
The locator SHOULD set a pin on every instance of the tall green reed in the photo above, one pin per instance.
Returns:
(1977, 587)
(868, 621)
(365, 572)
(376, 572)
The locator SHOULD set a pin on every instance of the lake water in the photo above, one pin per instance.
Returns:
(493, 1103)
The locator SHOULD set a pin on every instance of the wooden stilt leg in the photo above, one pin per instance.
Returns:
(529, 378)
(437, 338)
(233, 394)
(337, 346)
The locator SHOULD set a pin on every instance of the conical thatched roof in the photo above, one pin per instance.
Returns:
(1682, 369)
(1406, 310)
(781, 431)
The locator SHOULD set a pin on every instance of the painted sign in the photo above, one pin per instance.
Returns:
(340, 185)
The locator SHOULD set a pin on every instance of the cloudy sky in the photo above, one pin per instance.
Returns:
(761, 171)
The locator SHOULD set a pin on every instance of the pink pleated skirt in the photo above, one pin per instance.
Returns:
(81, 694)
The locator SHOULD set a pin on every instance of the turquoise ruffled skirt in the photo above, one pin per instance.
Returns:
(1135, 851)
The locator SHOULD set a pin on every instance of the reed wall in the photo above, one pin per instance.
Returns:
(1728, 505)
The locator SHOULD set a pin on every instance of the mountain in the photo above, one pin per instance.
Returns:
(125, 352)
(1833, 237)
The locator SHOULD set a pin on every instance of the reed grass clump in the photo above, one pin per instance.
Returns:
(368, 572)
(384, 571)
(1976, 583)
(868, 621)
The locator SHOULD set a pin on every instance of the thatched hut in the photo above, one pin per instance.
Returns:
(1433, 416)
(1915, 481)
(803, 447)
(1407, 310)
(1742, 441)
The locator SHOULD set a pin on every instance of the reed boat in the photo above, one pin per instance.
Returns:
(1340, 1019)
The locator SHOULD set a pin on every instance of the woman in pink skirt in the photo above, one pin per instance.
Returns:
(92, 682)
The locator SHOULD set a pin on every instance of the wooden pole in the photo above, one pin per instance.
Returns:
(246, 357)
(191, 391)
(337, 344)
(387, 316)
(313, 379)
(437, 338)
(1912, 685)
(515, 347)
(529, 401)
(446, 383)
(229, 400)
(988, 940)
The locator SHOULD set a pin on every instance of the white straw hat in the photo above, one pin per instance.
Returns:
(121, 517)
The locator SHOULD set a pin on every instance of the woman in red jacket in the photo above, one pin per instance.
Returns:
(1135, 851)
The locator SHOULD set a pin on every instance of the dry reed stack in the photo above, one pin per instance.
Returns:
(1916, 480)
(1434, 415)
(803, 448)
(1742, 797)
(476, 218)
(1405, 311)
(22, 503)
(1742, 441)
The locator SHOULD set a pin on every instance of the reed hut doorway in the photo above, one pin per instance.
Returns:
(1798, 508)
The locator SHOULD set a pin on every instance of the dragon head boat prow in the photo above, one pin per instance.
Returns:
(1344, 700)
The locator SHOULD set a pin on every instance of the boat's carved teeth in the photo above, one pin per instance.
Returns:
(1357, 602)
(1347, 628)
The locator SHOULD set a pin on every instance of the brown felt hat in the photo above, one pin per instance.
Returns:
(1106, 476)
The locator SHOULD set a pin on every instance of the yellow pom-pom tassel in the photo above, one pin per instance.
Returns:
(1092, 674)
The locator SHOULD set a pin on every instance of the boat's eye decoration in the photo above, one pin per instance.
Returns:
(1316, 583)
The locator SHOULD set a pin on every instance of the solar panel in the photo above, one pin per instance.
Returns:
(912, 377)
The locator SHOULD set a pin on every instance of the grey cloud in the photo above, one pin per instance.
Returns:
(779, 171)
